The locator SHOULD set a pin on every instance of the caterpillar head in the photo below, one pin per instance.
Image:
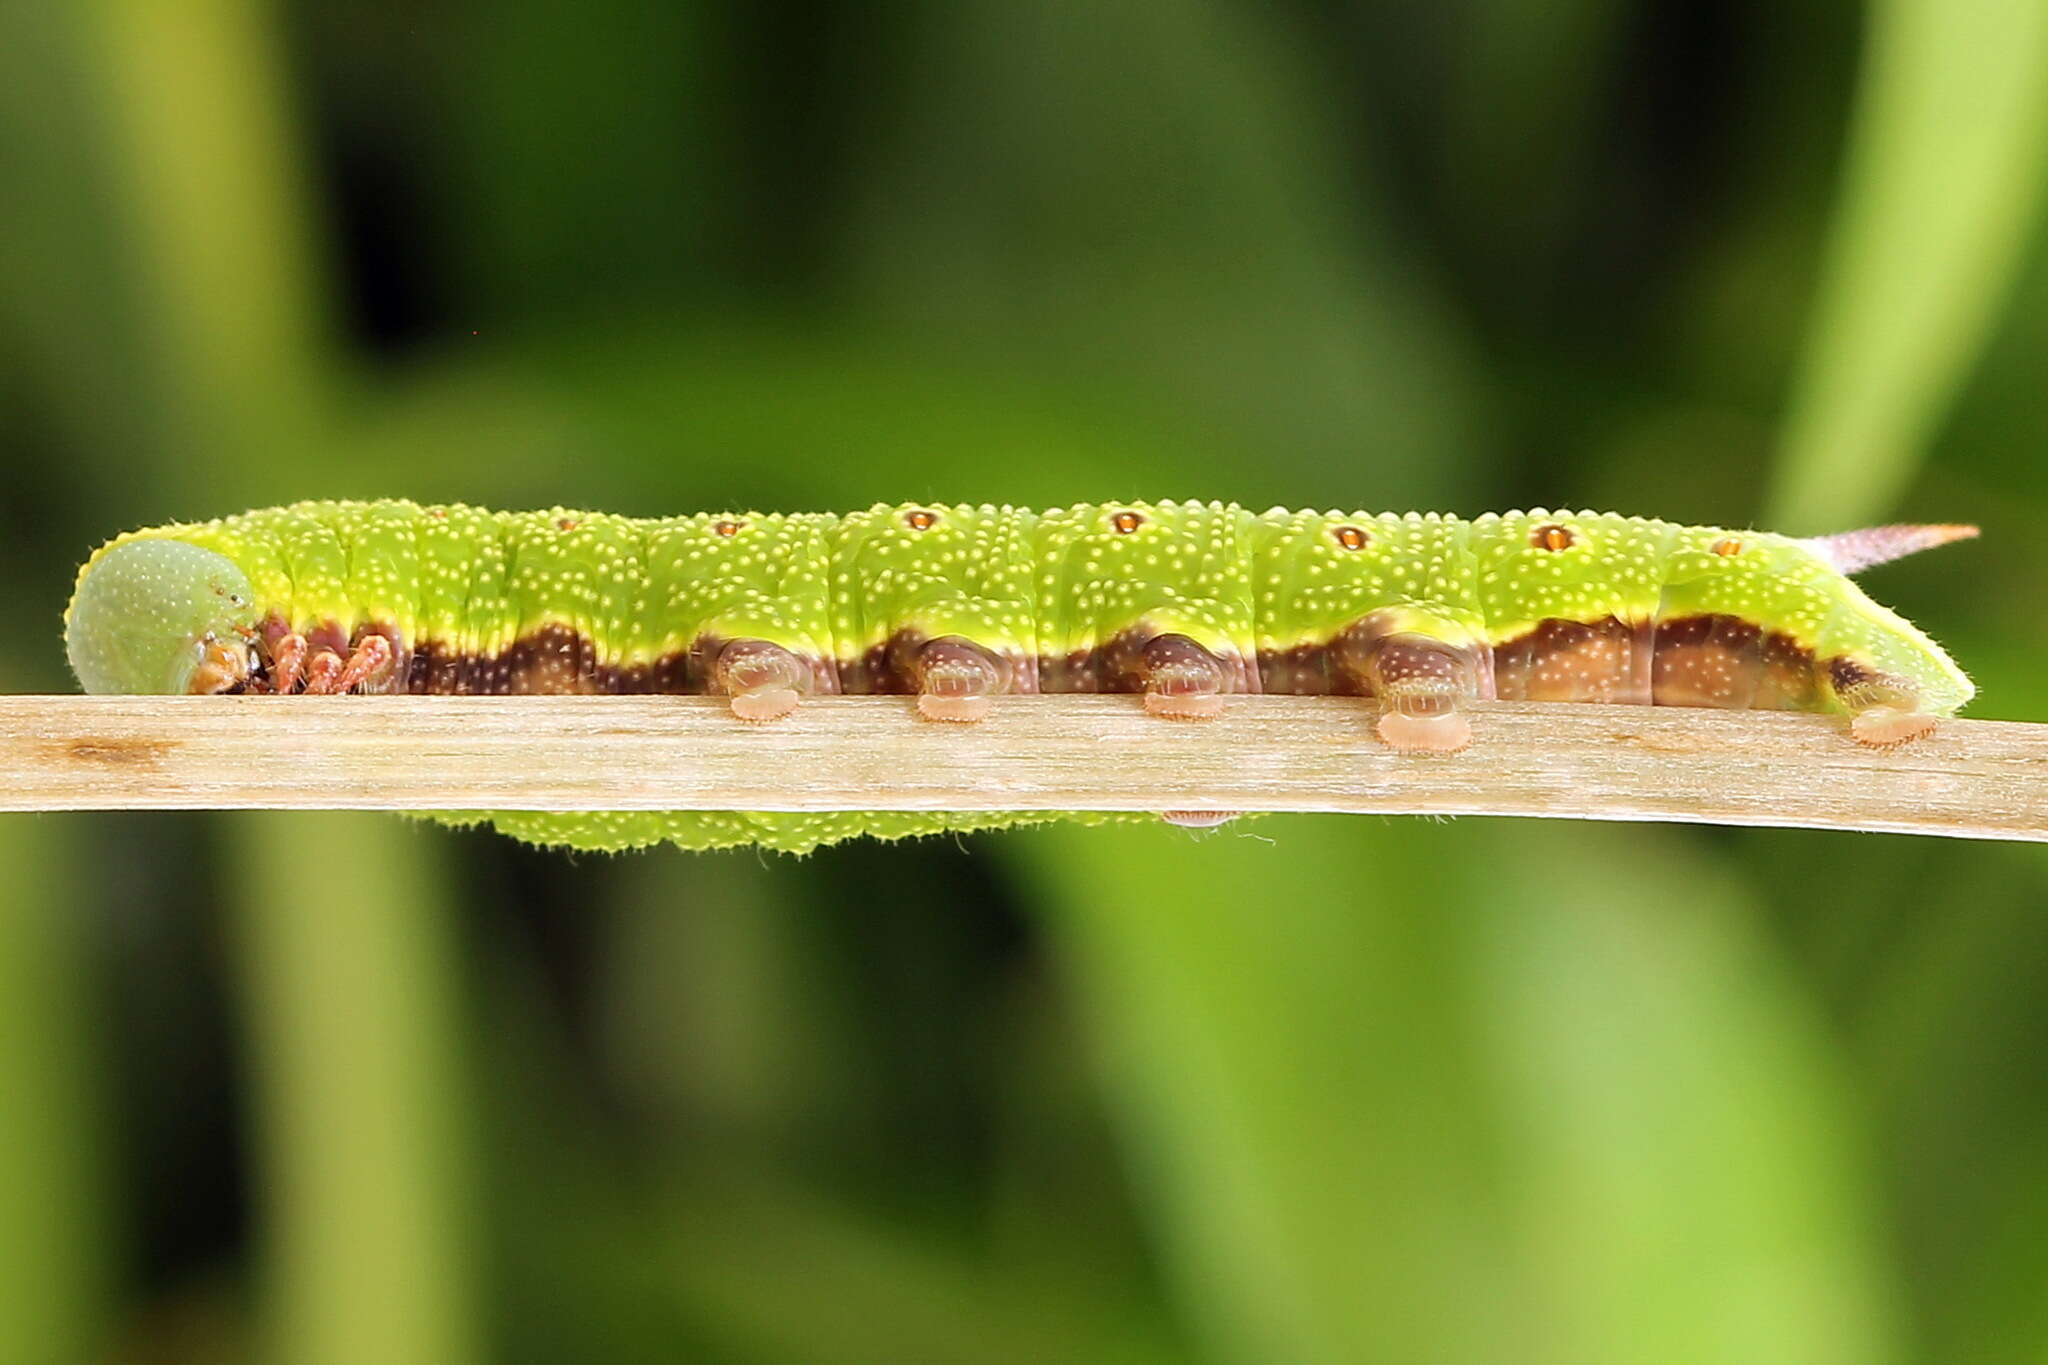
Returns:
(160, 616)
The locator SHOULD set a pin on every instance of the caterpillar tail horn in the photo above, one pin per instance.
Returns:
(1854, 551)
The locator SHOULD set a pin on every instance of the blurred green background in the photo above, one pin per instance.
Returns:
(334, 1088)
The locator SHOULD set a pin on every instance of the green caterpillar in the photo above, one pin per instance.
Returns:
(1182, 603)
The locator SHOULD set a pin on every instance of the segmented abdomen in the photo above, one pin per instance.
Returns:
(1550, 608)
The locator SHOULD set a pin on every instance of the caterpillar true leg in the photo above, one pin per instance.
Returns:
(955, 680)
(288, 664)
(1182, 680)
(764, 680)
(370, 662)
(327, 674)
(323, 673)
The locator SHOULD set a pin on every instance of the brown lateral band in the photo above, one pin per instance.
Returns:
(1711, 660)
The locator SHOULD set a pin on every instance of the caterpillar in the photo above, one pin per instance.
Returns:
(1179, 603)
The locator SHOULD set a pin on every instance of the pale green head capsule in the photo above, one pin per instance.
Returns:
(160, 616)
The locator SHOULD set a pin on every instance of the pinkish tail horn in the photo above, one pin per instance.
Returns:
(1851, 551)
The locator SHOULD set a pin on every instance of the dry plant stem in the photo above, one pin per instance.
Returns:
(1981, 779)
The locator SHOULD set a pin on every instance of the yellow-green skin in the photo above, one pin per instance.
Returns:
(1036, 587)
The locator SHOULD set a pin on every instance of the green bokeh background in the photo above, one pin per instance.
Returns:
(334, 1088)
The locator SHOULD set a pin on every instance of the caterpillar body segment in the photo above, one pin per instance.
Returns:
(1183, 604)
(936, 606)
(1115, 578)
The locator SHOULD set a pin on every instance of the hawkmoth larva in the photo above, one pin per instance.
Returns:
(1184, 603)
